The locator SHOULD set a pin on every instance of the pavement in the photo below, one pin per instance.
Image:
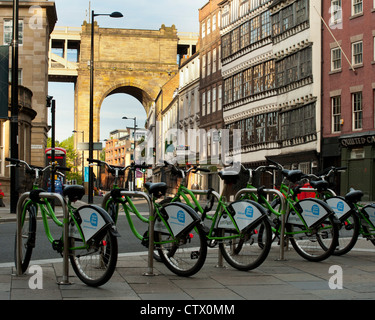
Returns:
(348, 277)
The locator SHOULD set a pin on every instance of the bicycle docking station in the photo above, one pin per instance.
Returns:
(282, 210)
(140, 194)
(47, 195)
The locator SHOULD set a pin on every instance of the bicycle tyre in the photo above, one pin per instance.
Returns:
(348, 234)
(112, 208)
(95, 265)
(249, 251)
(156, 253)
(186, 255)
(315, 244)
(28, 235)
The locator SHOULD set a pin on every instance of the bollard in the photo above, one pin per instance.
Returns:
(48, 195)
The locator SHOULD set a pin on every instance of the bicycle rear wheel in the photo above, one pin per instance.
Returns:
(28, 235)
(313, 244)
(249, 250)
(95, 264)
(184, 255)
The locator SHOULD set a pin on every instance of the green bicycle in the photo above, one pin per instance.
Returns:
(310, 224)
(179, 236)
(92, 236)
(234, 227)
(355, 219)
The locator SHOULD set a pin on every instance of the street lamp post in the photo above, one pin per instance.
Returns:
(83, 152)
(134, 129)
(91, 117)
(14, 111)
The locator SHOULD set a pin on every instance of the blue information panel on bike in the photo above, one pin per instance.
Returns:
(313, 211)
(339, 206)
(178, 216)
(244, 213)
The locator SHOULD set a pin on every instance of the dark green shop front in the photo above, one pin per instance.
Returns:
(358, 155)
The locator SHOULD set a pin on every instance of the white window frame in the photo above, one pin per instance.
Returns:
(334, 115)
(336, 11)
(203, 103)
(333, 68)
(354, 4)
(214, 99)
(203, 30)
(208, 26)
(355, 112)
(214, 22)
(203, 66)
(8, 24)
(220, 95)
(354, 44)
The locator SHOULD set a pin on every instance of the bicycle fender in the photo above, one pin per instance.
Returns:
(313, 211)
(179, 217)
(369, 212)
(93, 220)
(340, 206)
(244, 212)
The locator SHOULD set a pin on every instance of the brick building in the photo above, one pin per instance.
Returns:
(210, 86)
(348, 88)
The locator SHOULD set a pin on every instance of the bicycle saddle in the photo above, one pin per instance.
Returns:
(292, 175)
(157, 189)
(320, 185)
(354, 196)
(229, 176)
(74, 192)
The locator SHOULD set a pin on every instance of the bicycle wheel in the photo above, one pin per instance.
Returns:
(313, 244)
(348, 234)
(249, 250)
(28, 235)
(95, 264)
(112, 208)
(184, 255)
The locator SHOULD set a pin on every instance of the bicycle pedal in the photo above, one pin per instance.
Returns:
(57, 245)
(145, 240)
(194, 255)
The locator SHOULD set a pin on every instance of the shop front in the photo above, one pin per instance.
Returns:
(358, 155)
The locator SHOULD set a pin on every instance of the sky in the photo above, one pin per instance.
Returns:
(140, 14)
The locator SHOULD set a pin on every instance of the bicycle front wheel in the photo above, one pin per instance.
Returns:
(348, 234)
(94, 265)
(28, 235)
(184, 255)
(250, 249)
(313, 244)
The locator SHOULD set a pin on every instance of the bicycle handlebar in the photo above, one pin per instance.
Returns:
(176, 170)
(33, 168)
(113, 169)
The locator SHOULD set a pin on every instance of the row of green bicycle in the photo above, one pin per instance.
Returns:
(183, 229)
(245, 228)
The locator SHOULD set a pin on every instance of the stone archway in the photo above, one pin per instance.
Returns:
(136, 62)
